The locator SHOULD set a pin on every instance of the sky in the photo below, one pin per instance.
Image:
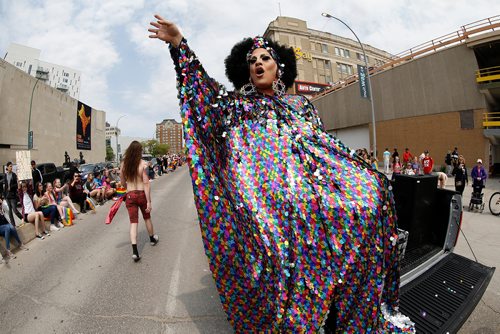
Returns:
(127, 74)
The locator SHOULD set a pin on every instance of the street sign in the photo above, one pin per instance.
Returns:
(30, 140)
(363, 82)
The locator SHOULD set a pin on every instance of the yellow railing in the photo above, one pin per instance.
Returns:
(488, 74)
(491, 120)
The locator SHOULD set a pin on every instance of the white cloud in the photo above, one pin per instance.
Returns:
(96, 37)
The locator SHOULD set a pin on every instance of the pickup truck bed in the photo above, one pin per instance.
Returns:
(441, 299)
(439, 289)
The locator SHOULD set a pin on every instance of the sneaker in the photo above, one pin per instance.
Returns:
(8, 256)
(136, 257)
(41, 237)
(60, 225)
(47, 233)
(54, 228)
(156, 239)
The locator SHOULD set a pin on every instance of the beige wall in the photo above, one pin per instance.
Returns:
(53, 120)
(437, 133)
(439, 83)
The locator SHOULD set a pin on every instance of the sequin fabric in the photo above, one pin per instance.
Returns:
(291, 219)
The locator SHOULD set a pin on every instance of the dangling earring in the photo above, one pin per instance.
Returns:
(248, 89)
(279, 87)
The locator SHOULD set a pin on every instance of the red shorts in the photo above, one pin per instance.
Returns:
(135, 200)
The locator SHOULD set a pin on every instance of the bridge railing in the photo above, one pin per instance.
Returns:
(491, 120)
(457, 37)
(488, 74)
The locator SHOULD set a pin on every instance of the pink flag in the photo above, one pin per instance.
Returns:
(114, 209)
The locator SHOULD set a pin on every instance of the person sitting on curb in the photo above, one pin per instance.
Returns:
(7, 230)
(28, 210)
(91, 188)
(76, 192)
(62, 196)
(41, 203)
(50, 194)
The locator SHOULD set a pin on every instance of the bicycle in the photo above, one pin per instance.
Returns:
(495, 204)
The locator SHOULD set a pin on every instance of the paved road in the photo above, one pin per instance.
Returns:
(482, 230)
(82, 279)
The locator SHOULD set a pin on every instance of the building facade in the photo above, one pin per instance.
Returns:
(169, 132)
(323, 59)
(51, 115)
(437, 96)
(27, 59)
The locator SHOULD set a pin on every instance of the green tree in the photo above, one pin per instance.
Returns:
(161, 149)
(149, 146)
(110, 154)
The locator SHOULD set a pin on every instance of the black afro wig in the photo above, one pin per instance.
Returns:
(237, 70)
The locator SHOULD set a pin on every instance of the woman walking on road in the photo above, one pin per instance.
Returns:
(295, 225)
(135, 178)
(460, 173)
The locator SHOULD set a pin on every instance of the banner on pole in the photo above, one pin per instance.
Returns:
(363, 82)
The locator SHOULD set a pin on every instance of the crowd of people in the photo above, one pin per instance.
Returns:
(423, 164)
(35, 201)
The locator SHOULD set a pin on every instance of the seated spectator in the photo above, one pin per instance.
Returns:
(90, 188)
(51, 195)
(6, 230)
(416, 166)
(41, 203)
(108, 191)
(114, 174)
(28, 210)
(408, 170)
(76, 192)
(62, 197)
(100, 187)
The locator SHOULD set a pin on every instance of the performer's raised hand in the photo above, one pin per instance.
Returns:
(166, 31)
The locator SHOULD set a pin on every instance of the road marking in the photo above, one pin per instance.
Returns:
(173, 288)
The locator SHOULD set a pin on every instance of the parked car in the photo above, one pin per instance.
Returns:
(110, 165)
(50, 171)
(85, 169)
(100, 166)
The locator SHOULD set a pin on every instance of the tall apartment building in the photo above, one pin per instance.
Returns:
(322, 58)
(27, 59)
(169, 132)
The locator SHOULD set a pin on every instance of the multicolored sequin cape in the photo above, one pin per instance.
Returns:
(292, 221)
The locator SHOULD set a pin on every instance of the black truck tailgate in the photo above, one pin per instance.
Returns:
(441, 299)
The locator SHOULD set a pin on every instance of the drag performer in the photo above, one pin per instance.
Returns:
(297, 228)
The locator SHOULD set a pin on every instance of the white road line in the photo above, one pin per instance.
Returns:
(173, 288)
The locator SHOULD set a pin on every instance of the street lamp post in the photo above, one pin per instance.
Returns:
(374, 138)
(116, 134)
(29, 117)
